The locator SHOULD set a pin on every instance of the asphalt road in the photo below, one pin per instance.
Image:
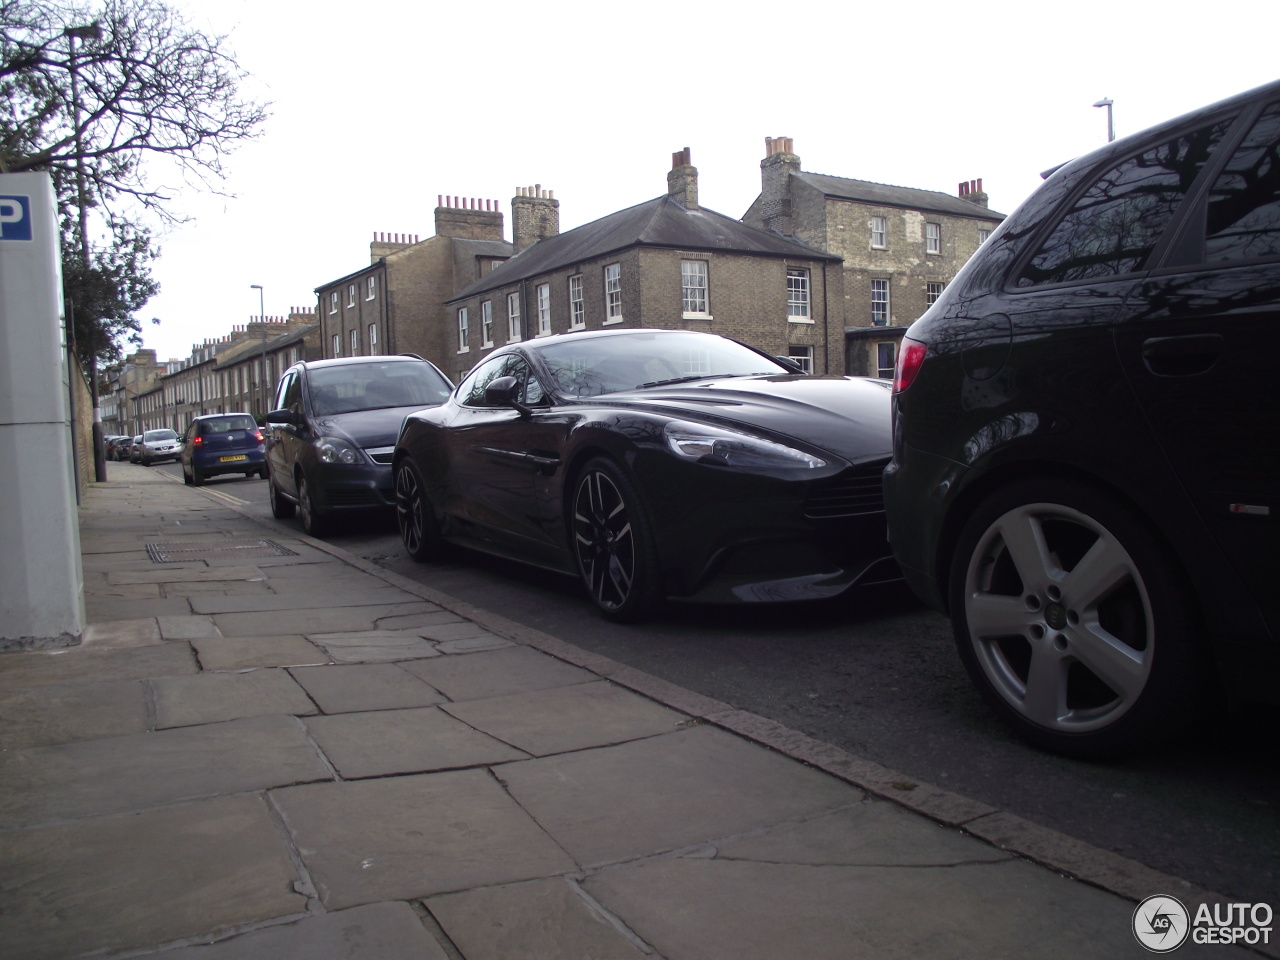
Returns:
(877, 675)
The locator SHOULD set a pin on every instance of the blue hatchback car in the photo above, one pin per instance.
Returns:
(222, 443)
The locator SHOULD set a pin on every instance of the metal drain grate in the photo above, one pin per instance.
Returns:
(178, 552)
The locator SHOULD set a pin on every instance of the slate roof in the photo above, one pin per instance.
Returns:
(660, 222)
(884, 194)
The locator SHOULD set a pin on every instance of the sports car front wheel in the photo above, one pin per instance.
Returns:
(1072, 621)
(414, 516)
(613, 543)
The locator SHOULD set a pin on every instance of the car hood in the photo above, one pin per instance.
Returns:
(367, 428)
(847, 416)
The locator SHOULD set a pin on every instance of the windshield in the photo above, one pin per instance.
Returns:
(594, 365)
(348, 387)
(152, 435)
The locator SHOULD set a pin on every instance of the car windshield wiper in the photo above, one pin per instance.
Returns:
(699, 376)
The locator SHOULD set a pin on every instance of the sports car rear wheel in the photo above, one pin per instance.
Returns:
(613, 543)
(414, 516)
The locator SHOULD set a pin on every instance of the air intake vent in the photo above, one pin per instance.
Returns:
(854, 493)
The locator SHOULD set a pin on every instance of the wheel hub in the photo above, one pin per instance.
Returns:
(1055, 614)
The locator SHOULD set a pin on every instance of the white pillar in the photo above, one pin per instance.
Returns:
(41, 583)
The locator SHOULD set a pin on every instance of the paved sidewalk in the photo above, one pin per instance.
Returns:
(267, 748)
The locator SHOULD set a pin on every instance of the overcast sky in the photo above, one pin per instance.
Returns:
(378, 108)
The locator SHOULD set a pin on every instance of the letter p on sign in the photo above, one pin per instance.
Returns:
(15, 218)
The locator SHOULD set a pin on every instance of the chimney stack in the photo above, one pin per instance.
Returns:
(972, 191)
(535, 215)
(775, 184)
(468, 218)
(682, 181)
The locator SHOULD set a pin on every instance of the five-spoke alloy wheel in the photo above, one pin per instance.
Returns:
(1071, 621)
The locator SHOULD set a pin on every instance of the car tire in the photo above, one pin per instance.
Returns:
(1073, 622)
(262, 473)
(415, 518)
(197, 478)
(612, 542)
(186, 476)
(313, 523)
(281, 508)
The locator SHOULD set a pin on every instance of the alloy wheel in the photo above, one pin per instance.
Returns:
(1059, 618)
(604, 540)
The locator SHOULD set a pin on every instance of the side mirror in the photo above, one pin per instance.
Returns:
(502, 392)
(291, 417)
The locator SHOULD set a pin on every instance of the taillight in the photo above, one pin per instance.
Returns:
(197, 440)
(257, 435)
(910, 357)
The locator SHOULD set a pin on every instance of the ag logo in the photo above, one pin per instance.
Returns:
(1161, 924)
(15, 218)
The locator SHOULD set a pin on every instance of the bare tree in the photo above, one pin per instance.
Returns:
(149, 85)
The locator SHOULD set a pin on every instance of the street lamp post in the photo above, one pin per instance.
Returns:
(1111, 130)
(89, 31)
(262, 359)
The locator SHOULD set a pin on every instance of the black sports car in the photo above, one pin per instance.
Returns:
(654, 464)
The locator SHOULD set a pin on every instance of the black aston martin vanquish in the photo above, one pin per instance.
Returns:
(654, 464)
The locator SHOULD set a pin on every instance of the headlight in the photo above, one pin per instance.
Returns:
(728, 448)
(333, 450)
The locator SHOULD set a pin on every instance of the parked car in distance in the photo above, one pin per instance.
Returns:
(111, 446)
(221, 443)
(654, 464)
(158, 446)
(330, 440)
(1086, 468)
(135, 449)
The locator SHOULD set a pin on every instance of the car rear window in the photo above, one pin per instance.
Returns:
(226, 425)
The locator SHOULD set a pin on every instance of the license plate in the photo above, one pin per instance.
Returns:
(239, 456)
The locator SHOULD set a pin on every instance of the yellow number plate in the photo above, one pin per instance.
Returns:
(241, 456)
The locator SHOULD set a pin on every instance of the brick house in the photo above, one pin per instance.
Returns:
(899, 245)
(667, 263)
(396, 304)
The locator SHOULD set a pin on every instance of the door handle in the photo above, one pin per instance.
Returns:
(1185, 356)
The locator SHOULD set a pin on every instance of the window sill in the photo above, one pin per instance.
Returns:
(612, 320)
(465, 350)
(577, 326)
(697, 316)
(799, 319)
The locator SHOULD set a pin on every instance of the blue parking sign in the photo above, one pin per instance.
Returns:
(15, 218)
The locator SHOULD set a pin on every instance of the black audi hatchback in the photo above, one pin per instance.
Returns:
(1086, 466)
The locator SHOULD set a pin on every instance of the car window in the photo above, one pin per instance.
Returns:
(1115, 225)
(346, 388)
(471, 393)
(226, 425)
(289, 391)
(1244, 202)
(153, 435)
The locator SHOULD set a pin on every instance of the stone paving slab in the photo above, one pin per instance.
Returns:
(871, 833)
(400, 838)
(665, 793)
(322, 576)
(689, 909)
(243, 653)
(96, 609)
(139, 632)
(218, 588)
(129, 882)
(186, 628)
(539, 918)
(49, 715)
(80, 665)
(567, 718)
(379, 931)
(138, 771)
(362, 687)
(215, 697)
(374, 646)
(163, 573)
(316, 619)
(364, 597)
(404, 741)
(497, 673)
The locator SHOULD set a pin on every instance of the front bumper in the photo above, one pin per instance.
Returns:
(342, 487)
